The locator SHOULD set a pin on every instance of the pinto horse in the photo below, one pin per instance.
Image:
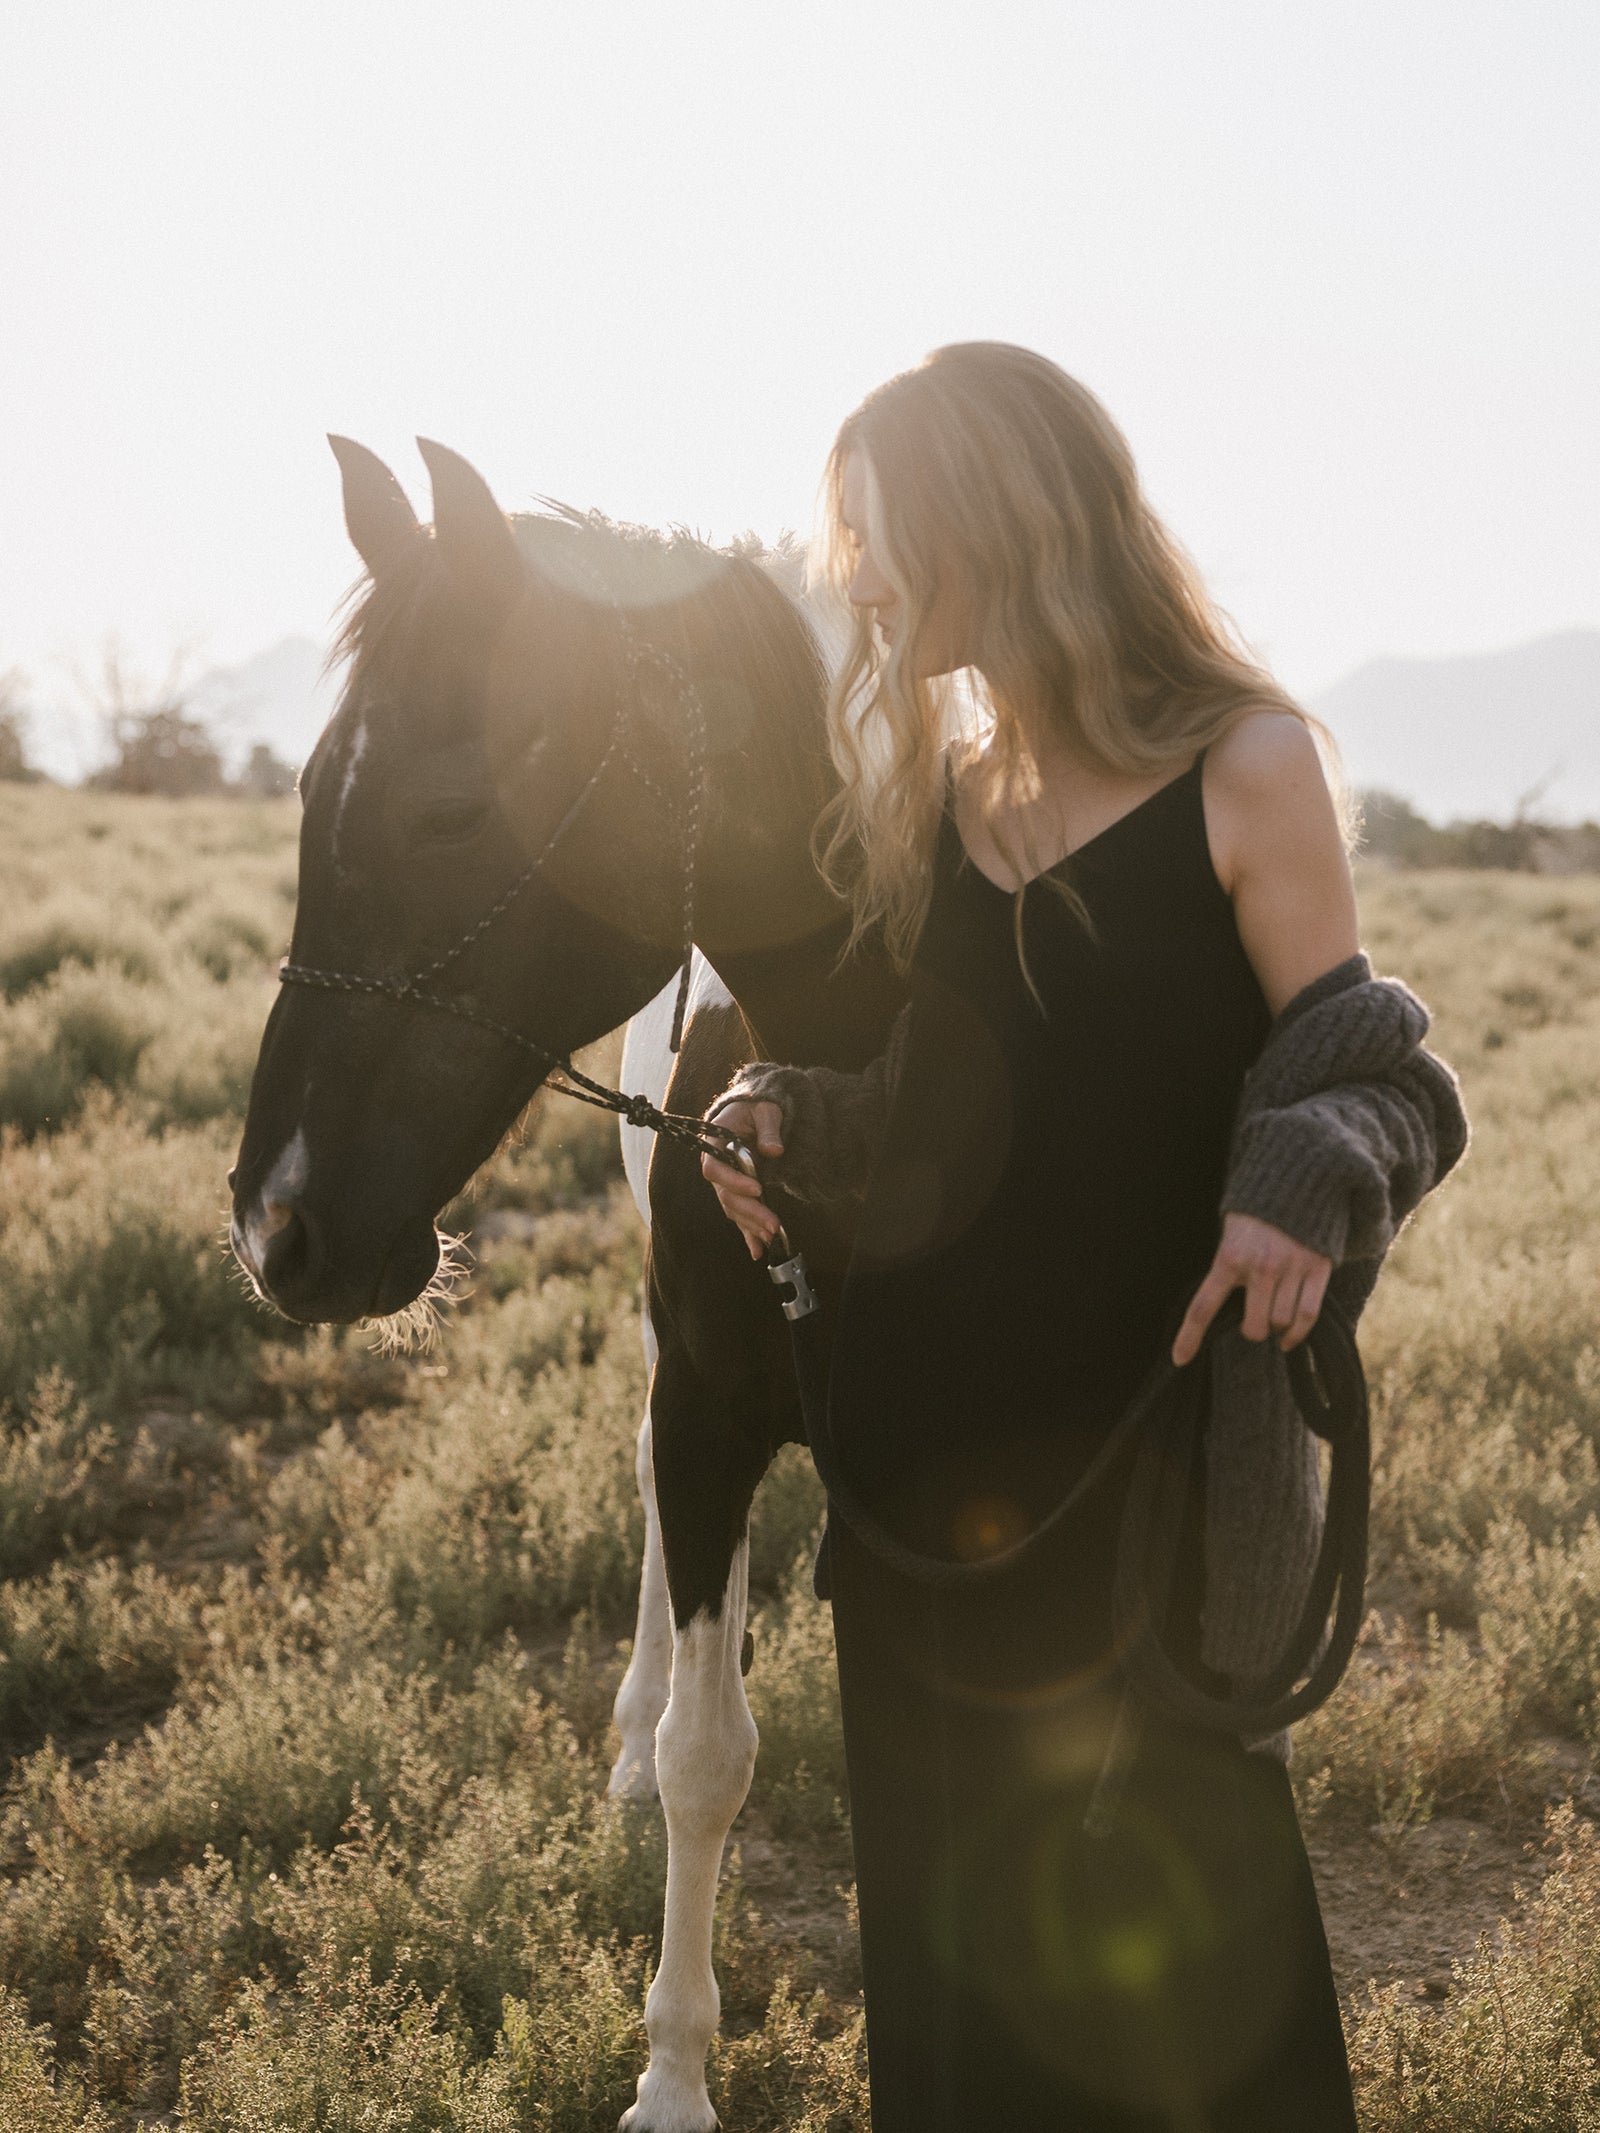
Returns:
(561, 748)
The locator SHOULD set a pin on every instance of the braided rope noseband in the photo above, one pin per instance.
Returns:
(416, 989)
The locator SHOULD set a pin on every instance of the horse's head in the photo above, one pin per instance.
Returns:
(535, 712)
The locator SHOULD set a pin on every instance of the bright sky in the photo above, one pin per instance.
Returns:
(1333, 265)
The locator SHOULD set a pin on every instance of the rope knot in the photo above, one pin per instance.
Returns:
(641, 1112)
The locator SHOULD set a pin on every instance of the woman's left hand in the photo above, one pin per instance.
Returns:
(1284, 1284)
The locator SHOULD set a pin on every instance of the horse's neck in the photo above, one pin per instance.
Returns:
(804, 1010)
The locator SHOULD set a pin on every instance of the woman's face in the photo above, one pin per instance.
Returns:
(942, 643)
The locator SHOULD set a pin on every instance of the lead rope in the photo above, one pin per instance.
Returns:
(1163, 1426)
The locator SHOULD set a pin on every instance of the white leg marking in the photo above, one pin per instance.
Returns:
(642, 1697)
(705, 1753)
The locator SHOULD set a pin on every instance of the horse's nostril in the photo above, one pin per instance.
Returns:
(292, 1256)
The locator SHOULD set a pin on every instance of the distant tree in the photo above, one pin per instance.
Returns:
(1392, 830)
(266, 776)
(14, 766)
(156, 745)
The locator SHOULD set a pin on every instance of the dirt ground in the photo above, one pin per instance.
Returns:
(1400, 1907)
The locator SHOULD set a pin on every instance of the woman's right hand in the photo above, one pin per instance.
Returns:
(758, 1125)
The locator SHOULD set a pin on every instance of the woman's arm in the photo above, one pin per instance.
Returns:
(1278, 850)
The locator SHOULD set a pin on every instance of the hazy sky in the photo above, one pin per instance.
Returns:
(1333, 266)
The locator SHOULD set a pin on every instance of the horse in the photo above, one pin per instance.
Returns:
(571, 780)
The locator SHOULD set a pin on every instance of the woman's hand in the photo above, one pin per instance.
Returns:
(757, 1125)
(1284, 1284)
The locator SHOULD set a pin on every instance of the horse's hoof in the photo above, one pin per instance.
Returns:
(663, 2113)
(632, 2122)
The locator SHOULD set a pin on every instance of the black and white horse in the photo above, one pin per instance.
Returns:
(557, 740)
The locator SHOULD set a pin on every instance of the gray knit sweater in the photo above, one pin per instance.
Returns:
(1344, 1123)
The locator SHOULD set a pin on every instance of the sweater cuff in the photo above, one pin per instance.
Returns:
(1299, 1184)
(761, 1082)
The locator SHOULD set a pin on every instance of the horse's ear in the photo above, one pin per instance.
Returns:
(473, 533)
(379, 518)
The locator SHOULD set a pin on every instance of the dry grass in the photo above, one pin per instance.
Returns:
(306, 1654)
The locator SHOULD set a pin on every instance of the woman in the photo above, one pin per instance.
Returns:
(1104, 887)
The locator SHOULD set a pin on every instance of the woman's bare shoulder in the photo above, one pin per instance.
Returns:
(1265, 786)
(1277, 843)
(1264, 751)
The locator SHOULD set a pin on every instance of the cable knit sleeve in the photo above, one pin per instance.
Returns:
(1346, 1121)
(833, 1122)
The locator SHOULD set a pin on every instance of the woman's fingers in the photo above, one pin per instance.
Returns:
(1209, 1299)
(758, 1124)
(757, 1225)
(1309, 1304)
(1285, 1303)
(1260, 1287)
(726, 1177)
(1283, 1281)
(768, 1128)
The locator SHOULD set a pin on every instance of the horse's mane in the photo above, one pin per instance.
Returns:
(745, 599)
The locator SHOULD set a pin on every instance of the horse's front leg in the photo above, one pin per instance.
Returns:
(642, 1695)
(705, 1746)
(705, 1755)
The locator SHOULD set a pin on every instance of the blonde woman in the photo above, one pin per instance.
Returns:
(1104, 888)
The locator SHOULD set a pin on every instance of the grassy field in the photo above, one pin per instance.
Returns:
(306, 1654)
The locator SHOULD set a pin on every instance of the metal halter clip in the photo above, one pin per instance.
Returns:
(789, 1271)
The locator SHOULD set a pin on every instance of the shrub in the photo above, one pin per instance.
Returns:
(102, 1637)
(32, 2099)
(112, 1271)
(794, 1699)
(1421, 1722)
(1540, 1622)
(1516, 2047)
(360, 2055)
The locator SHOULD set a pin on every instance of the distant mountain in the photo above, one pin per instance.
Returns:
(279, 696)
(1473, 737)
(1462, 737)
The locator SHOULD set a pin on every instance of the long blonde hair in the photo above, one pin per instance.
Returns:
(996, 480)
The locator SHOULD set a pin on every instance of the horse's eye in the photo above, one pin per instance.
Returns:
(452, 821)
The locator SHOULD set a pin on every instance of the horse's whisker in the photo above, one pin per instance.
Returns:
(414, 1330)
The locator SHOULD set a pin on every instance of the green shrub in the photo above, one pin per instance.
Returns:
(79, 934)
(97, 1637)
(785, 1519)
(801, 2069)
(1422, 1721)
(1540, 1622)
(79, 1030)
(1516, 2046)
(54, 1475)
(572, 2052)
(32, 2098)
(112, 1271)
(794, 1698)
(355, 2056)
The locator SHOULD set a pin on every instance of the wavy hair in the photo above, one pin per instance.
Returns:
(996, 482)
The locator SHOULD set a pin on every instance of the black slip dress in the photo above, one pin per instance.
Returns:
(1046, 1203)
